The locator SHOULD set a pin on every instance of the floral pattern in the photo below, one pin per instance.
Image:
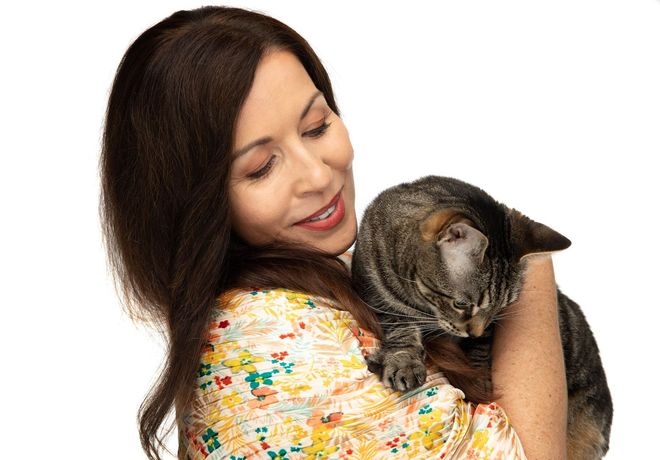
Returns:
(283, 376)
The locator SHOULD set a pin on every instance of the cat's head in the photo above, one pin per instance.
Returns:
(467, 272)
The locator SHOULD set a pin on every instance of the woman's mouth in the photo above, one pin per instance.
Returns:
(329, 218)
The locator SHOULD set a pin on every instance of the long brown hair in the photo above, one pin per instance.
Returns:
(164, 208)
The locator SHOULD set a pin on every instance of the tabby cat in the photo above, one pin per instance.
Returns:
(440, 255)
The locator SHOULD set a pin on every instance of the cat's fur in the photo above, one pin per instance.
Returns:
(422, 244)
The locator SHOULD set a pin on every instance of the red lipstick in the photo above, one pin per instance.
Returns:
(330, 221)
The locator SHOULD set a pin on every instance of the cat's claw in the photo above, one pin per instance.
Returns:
(402, 369)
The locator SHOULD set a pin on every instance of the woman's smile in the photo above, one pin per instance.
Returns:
(292, 175)
(328, 217)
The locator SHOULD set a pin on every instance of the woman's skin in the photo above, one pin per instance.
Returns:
(304, 172)
(528, 365)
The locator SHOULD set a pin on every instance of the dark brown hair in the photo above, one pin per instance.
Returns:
(164, 208)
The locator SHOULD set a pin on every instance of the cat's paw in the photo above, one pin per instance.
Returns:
(375, 362)
(403, 369)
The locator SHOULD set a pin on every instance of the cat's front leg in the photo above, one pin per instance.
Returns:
(400, 360)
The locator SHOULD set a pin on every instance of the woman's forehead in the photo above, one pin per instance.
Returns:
(280, 90)
(281, 85)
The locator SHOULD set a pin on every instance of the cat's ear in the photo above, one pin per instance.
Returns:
(530, 237)
(462, 247)
(459, 243)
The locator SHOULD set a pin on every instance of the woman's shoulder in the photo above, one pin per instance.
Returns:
(272, 309)
(239, 300)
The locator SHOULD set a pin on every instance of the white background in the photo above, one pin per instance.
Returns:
(551, 107)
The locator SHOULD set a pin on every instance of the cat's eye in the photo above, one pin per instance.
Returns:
(461, 305)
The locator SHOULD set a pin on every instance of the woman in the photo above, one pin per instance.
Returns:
(222, 140)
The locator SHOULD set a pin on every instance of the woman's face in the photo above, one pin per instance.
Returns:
(292, 158)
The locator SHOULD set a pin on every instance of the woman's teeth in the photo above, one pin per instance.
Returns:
(330, 210)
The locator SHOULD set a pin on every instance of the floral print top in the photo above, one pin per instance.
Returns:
(283, 376)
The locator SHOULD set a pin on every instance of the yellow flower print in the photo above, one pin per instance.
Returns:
(296, 296)
(354, 363)
(299, 301)
(232, 399)
(214, 357)
(429, 422)
(320, 434)
(243, 362)
(426, 421)
(295, 389)
(298, 433)
(428, 438)
(480, 440)
(314, 450)
(318, 449)
(214, 416)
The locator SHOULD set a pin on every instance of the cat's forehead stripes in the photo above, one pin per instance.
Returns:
(438, 220)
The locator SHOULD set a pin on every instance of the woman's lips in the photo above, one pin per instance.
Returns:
(329, 222)
(323, 209)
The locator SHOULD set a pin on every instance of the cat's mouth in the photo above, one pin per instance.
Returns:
(472, 327)
(449, 327)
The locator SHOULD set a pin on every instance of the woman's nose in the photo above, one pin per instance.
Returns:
(310, 170)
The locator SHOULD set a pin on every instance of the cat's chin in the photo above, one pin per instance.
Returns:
(452, 330)
(457, 336)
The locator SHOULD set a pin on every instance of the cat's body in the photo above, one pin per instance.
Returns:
(440, 254)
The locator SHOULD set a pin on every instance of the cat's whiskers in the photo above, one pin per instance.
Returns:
(393, 313)
(420, 323)
(432, 332)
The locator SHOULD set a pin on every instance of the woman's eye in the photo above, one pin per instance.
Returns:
(461, 305)
(318, 132)
(263, 171)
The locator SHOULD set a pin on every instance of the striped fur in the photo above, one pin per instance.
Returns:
(440, 256)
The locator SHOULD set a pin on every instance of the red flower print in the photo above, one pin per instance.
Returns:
(289, 335)
(223, 324)
(301, 324)
(222, 382)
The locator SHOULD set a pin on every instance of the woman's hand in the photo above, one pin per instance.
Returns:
(528, 365)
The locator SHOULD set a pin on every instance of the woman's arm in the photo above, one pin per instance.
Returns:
(528, 365)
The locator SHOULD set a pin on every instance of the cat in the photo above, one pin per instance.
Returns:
(441, 254)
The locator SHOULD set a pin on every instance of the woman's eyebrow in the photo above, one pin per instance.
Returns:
(267, 139)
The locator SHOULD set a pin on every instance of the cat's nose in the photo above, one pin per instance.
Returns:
(475, 327)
